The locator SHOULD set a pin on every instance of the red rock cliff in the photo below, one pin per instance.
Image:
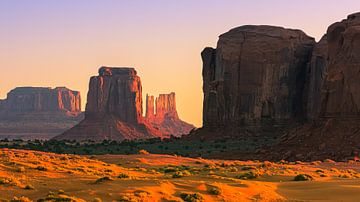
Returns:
(166, 118)
(38, 99)
(113, 109)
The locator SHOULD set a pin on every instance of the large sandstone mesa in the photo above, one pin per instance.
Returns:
(166, 118)
(334, 98)
(255, 78)
(39, 110)
(113, 109)
(38, 99)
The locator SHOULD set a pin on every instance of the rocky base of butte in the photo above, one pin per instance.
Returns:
(114, 110)
(265, 81)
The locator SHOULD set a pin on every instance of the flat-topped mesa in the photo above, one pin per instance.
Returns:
(166, 106)
(42, 99)
(115, 92)
(256, 73)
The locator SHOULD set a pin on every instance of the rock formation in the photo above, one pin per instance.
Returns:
(37, 110)
(255, 76)
(261, 74)
(166, 118)
(114, 110)
(36, 99)
(334, 99)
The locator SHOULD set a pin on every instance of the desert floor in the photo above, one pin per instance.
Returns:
(149, 177)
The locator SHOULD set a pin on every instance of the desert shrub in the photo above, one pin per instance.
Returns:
(178, 174)
(96, 200)
(303, 177)
(21, 199)
(10, 181)
(320, 171)
(103, 179)
(248, 168)
(28, 187)
(41, 168)
(248, 175)
(214, 191)
(143, 151)
(123, 176)
(233, 169)
(194, 197)
(21, 169)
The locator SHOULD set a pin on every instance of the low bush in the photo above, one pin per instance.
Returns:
(191, 197)
(303, 177)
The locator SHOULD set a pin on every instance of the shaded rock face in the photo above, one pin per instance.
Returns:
(39, 112)
(166, 118)
(340, 95)
(333, 99)
(256, 74)
(37, 99)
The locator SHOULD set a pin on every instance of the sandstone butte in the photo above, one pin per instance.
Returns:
(28, 110)
(114, 110)
(265, 81)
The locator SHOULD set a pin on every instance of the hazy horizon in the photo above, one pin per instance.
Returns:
(63, 43)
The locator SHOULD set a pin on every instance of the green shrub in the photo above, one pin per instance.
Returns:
(248, 175)
(214, 191)
(103, 179)
(123, 176)
(195, 197)
(41, 168)
(303, 177)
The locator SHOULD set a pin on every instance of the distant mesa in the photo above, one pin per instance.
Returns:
(39, 110)
(114, 110)
(266, 81)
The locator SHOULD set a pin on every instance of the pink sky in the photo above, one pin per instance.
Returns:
(62, 43)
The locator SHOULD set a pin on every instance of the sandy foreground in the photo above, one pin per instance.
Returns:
(150, 177)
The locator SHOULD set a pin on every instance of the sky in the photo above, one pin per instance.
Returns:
(64, 42)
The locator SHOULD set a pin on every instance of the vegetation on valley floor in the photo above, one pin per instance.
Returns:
(173, 146)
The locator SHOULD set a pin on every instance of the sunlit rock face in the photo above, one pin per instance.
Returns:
(38, 99)
(256, 74)
(113, 109)
(166, 118)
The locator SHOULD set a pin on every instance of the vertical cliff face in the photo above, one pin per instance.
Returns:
(115, 92)
(166, 106)
(113, 109)
(166, 118)
(38, 99)
(340, 96)
(256, 73)
(150, 113)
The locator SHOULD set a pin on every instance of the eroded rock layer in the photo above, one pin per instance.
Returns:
(166, 118)
(255, 75)
(39, 112)
(113, 109)
(334, 99)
